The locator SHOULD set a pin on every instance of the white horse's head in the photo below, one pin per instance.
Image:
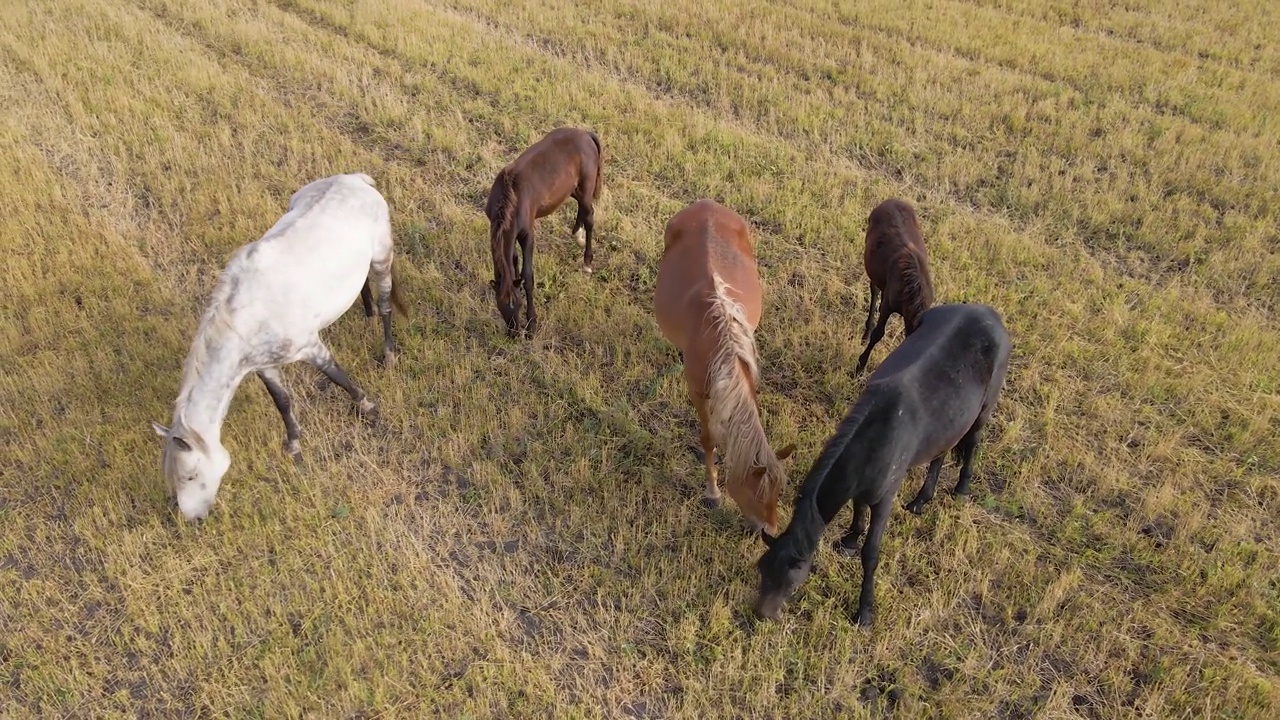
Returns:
(193, 468)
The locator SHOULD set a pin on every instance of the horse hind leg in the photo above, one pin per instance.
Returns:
(584, 228)
(272, 379)
(929, 487)
(390, 349)
(871, 311)
(876, 335)
(965, 450)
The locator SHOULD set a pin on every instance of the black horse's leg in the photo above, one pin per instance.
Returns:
(930, 485)
(871, 311)
(876, 334)
(531, 315)
(320, 357)
(366, 297)
(871, 558)
(280, 396)
(848, 545)
(965, 451)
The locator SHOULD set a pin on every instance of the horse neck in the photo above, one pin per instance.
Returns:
(210, 376)
(731, 380)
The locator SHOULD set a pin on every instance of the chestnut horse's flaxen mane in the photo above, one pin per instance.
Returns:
(732, 377)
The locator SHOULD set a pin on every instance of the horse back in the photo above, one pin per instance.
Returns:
(949, 372)
(551, 169)
(892, 230)
(700, 242)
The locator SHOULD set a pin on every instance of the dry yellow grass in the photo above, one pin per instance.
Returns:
(524, 536)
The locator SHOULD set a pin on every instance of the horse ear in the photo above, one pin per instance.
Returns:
(768, 539)
(785, 452)
(160, 430)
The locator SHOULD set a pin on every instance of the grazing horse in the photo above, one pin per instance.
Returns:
(932, 394)
(565, 162)
(707, 303)
(897, 264)
(269, 305)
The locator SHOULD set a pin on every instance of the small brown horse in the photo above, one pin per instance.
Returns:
(565, 162)
(897, 264)
(707, 303)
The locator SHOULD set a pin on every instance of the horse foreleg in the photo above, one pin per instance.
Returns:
(322, 359)
(280, 396)
(871, 558)
(876, 334)
(871, 311)
(848, 545)
(711, 494)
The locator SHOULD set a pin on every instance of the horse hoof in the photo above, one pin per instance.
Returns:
(864, 619)
(916, 508)
(587, 269)
(389, 358)
(844, 550)
(710, 503)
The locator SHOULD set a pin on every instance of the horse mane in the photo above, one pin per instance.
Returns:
(917, 287)
(502, 235)
(800, 539)
(732, 376)
(215, 324)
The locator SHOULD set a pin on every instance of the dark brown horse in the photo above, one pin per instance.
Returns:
(565, 162)
(897, 265)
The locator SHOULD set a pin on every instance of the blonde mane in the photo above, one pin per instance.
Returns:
(732, 377)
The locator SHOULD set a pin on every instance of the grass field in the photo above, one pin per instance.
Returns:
(523, 537)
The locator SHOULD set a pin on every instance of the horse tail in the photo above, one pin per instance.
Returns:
(595, 193)
(397, 299)
(732, 376)
(503, 233)
(917, 288)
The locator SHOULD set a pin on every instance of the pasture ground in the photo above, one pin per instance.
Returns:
(524, 535)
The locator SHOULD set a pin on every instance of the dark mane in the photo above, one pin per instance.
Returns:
(800, 539)
(917, 288)
(501, 211)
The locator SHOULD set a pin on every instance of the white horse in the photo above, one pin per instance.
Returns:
(270, 303)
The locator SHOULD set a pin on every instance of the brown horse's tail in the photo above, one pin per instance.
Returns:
(397, 299)
(917, 288)
(595, 194)
(502, 234)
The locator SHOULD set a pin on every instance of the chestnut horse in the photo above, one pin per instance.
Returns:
(565, 162)
(897, 264)
(707, 303)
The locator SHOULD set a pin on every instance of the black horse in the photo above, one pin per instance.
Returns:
(932, 394)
